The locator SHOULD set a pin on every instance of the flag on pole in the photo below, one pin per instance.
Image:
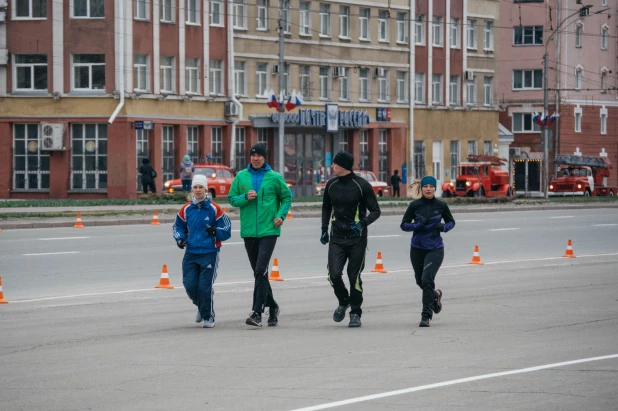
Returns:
(272, 100)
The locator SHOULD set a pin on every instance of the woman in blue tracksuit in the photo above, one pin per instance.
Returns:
(201, 226)
(424, 217)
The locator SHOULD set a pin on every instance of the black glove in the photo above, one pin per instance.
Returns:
(420, 220)
(181, 243)
(211, 230)
(440, 227)
(324, 238)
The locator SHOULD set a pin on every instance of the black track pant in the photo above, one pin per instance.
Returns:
(426, 264)
(352, 251)
(395, 191)
(259, 251)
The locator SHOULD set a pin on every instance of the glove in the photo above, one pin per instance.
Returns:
(324, 238)
(356, 228)
(420, 220)
(440, 227)
(211, 230)
(181, 243)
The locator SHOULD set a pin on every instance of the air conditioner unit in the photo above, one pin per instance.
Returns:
(52, 136)
(275, 69)
(231, 109)
(468, 75)
(339, 72)
(378, 72)
(515, 151)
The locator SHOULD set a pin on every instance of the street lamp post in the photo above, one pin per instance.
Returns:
(584, 11)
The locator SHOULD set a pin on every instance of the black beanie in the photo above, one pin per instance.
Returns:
(259, 149)
(345, 160)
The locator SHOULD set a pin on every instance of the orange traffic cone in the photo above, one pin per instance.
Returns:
(274, 274)
(2, 300)
(289, 216)
(155, 218)
(224, 210)
(379, 268)
(164, 282)
(569, 251)
(78, 222)
(476, 258)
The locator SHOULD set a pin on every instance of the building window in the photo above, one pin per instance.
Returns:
(262, 137)
(240, 15)
(192, 143)
(527, 79)
(216, 144)
(402, 87)
(603, 81)
(454, 91)
(344, 86)
(141, 152)
(286, 77)
(239, 144)
(604, 122)
(383, 91)
(402, 27)
(88, 156)
(436, 89)
(192, 76)
(343, 140)
(30, 163)
(216, 77)
(89, 8)
(30, 9)
(419, 159)
(364, 150)
(30, 72)
(140, 9)
(192, 11)
(419, 29)
(383, 25)
(578, 122)
(363, 87)
(364, 15)
(216, 13)
(325, 20)
(419, 88)
(239, 78)
(488, 100)
(471, 34)
(488, 37)
(454, 30)
(382, 155)
(344, 22)
(305, 18)
(167, 154)
(579, 31)
(140, 72)
(471, 93)
(472, 147)
(579, 78)
(167, 11)
(305, 81)
(167, 74)
(324, 83)
(454, 159)
(262, 14)
(604, 38)
(487, 148)
(524, 123)
(437, 31)
(528, 35)
(261, 79)
(284, 14)
(88, 72)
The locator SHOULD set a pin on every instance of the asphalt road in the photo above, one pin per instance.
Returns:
(528, 330)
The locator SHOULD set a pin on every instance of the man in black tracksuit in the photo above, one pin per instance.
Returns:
(424, 217)
(347, 197)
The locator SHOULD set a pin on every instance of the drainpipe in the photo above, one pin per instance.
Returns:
(120, 18)
(411, 94)
(230, 79)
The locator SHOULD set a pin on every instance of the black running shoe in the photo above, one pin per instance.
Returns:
(254, 319)
(437, 302)
(355, 321)
(273, 313)
(339, 313)
(424, 322)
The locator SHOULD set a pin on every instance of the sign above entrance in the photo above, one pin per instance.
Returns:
(317, 118)
(143, 125)
(383, 114)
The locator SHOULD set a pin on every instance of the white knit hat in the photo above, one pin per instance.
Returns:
(199, 179)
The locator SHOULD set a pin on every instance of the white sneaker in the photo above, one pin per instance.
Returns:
(198, 317)
(208, 324)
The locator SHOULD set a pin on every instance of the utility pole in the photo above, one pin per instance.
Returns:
(282, 23)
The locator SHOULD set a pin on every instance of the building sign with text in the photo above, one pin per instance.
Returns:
(318, 118)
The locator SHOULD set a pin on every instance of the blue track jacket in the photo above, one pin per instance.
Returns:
(424, 217)
(193, 220)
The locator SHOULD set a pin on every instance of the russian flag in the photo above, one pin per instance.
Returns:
(296, 99)
(552, 119)
(272, 100)
(536, 119)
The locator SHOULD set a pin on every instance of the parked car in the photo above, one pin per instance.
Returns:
(379, 187)
(219, 178)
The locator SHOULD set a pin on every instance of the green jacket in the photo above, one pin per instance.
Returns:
(273, 200)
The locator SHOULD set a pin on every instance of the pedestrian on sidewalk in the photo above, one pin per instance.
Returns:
(347, 198)
(264, 200)
(200, 227)
(395, 180)
(148, 176)
(424, 218)
(187, 168)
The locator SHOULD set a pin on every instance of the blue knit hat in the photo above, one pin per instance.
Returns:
(429, 180)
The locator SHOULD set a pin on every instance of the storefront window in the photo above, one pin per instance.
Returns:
(240, 149)
(169, 172)
(419, 159)
(89, 156)
(382, 156)
(216, 145)
(30, 164)
(141, 150)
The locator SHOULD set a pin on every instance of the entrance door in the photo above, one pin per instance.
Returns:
(304, 162)
(437, 166)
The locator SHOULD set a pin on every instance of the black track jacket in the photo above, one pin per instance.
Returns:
(346, 201)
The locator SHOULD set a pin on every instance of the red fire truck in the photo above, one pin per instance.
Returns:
(480, 176)
(581, 176)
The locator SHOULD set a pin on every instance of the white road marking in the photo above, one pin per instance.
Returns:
(605, 225)
(383, 236)
(62, 252)
(468, 221)
(61, 238)
(562, 216)
(503, 229)
(453, 382)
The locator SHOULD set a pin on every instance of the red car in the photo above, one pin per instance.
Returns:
(379, 187)
(219, 178)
